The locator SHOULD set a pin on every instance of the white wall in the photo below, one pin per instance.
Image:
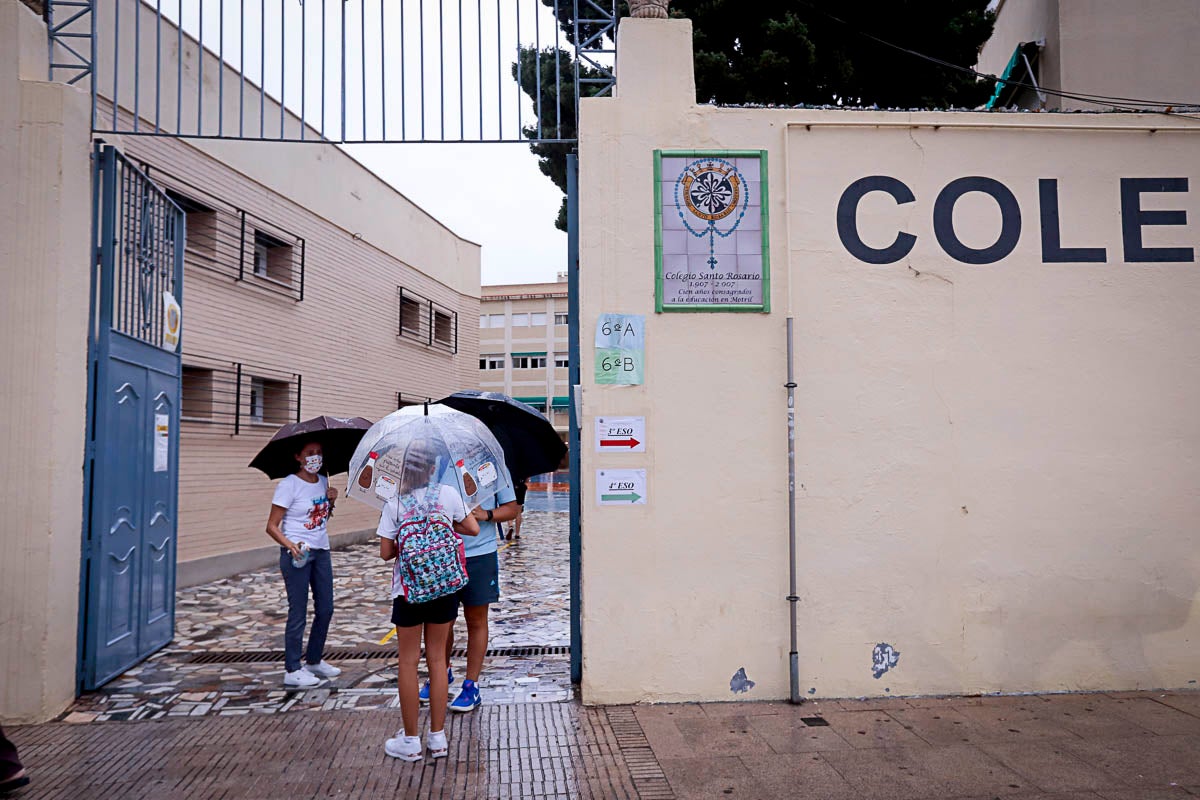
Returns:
(44, 230)
(996, 469)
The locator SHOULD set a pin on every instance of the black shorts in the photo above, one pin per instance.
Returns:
(437, 611)
(483, 581)
(519, 490)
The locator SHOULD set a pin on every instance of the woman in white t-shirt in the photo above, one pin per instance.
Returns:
(299, 514)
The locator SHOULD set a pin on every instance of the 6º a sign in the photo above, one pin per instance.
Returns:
(620, 434)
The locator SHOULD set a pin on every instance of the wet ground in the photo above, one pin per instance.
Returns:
(226, 657)
(207, 719)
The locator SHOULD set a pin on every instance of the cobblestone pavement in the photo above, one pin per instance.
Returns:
(236, 623)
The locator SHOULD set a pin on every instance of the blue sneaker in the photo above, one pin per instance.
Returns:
(468, 698)
(423, 695)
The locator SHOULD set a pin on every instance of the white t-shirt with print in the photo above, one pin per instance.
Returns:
(307, 512)
(451, 504)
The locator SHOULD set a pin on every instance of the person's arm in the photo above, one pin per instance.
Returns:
(502, 514)
(467, 526)
(274, 521)
(387, 548)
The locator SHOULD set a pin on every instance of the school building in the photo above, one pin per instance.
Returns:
(523, 346)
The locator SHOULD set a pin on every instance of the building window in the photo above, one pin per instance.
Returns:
(529, 361)
(491, 362)
(443, 328)
(199, 225)
(537, 319)
(410, 315)
(268, 401)
(496, 320)
(404, 399)
(483, 321)
(562, 361)
(520, 320)
(272, 258)
(560, 319)
(197, 400)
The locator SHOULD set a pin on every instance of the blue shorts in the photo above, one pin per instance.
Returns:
(483, 581)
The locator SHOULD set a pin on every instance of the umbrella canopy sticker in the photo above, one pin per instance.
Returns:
(712, 249)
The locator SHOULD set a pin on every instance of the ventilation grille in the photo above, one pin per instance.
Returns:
(350, 654)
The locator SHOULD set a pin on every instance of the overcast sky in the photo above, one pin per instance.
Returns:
(492, 194)
(404, 70)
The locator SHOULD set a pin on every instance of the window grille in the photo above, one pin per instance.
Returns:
(234, 397)
(228, 240)
(422, 320)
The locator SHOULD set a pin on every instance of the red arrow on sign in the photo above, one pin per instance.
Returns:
(630, 442)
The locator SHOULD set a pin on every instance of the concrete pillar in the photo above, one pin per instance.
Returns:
(45, 228)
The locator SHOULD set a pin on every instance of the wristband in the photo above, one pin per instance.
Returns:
(489, 519)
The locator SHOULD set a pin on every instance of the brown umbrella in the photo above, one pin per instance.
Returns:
(338, 437)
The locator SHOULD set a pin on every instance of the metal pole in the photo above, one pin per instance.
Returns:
(793, 655)
(573, 437)
(237, 403)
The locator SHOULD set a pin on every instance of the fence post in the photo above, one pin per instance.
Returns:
(242, 248)
(237, 403)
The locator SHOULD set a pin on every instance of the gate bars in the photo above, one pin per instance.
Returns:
(345, 71)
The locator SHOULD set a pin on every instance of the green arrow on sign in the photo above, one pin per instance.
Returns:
(632, 497)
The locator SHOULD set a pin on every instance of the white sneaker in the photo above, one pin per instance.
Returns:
(405, 748)
(301, 678)
(323, 670)
(438, 747)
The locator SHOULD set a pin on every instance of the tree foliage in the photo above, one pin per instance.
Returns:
(789, 52)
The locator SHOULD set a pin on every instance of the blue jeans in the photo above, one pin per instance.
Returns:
(317, 574)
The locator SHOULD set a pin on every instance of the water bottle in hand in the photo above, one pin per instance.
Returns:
(302, 559)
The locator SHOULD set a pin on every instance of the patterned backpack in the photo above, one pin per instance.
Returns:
(431, 560)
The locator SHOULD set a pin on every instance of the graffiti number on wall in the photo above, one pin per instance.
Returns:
(883, 658)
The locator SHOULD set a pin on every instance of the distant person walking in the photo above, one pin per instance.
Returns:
(514, 530)
(298, 521)
(422, 508)
(12, 771)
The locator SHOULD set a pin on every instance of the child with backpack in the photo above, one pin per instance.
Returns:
(418, 530)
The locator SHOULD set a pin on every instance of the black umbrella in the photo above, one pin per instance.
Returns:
(338, 437)
(531, 445)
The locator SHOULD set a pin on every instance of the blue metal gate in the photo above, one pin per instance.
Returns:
(127, 603)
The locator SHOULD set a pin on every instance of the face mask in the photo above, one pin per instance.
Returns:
(312, 464)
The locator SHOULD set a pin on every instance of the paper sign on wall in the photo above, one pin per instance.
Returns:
(620, 434)
(172, 321)
(621, 487)
(162, 442)
(620, 349)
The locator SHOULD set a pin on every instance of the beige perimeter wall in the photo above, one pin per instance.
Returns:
(45, 214)
(996, 463)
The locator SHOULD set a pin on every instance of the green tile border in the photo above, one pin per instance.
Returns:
(761, 308)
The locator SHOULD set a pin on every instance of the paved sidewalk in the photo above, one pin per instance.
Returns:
(1131, 746)
(227, 659)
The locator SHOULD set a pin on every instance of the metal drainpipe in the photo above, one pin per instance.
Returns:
(793, 655)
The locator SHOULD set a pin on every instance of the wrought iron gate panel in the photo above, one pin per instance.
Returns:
(345, 71)
(127, 599)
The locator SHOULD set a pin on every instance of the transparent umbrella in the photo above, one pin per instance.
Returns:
(405, 451)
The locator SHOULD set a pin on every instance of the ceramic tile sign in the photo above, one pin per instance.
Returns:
(621, 487)
(620, 349)
(711, 232)
(620, 434)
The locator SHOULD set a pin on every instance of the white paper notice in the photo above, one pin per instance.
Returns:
(621, 487)
(162, 442)
(620, 434)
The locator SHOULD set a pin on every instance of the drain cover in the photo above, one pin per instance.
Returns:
(351, 654)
